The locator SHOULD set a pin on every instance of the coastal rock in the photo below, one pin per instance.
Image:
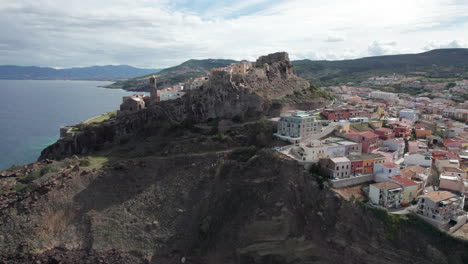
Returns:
(251, 95)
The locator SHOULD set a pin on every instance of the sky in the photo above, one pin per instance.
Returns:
(164, 33)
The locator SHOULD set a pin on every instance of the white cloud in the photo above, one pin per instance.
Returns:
(454, 44)
(377, 48)
(161, 33)
(335, 38)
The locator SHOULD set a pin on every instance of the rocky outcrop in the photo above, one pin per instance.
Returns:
(249, 95)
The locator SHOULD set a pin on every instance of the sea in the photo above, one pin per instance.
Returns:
(32, 111)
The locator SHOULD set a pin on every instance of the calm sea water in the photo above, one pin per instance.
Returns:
(31, 113)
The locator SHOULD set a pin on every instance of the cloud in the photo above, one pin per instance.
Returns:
(335, 38)
(377, 48)
(163, 33)
(454, 44)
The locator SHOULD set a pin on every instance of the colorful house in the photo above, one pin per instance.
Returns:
(384, 133)
(410, 188)
(368, 140)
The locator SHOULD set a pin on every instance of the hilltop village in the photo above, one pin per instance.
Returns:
(407, 154)
(132, 104)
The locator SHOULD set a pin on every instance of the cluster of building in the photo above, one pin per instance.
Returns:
(403, 151)
(136, 102)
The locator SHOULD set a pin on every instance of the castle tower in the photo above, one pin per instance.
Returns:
(153, 90)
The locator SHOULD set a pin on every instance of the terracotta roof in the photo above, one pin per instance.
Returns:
(404, 181)
(438, 196)
(407, 173)
(386, 185)
(389, 165)
(415, 168)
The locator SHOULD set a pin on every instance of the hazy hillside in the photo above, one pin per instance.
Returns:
(174, 75)
(442, 63)
(109, 72)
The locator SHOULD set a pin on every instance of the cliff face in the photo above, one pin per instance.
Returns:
(249, 95)
(211, 208)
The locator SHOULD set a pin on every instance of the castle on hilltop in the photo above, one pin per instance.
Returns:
(235, 71)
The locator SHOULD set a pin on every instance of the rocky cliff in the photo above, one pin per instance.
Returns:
(252, 95)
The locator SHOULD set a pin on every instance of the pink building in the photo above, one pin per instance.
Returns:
(368, 140)
(416, 147)
(384, 133)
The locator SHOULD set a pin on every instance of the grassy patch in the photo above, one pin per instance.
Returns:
(15, 168)
(319, 116)
(73, 130)
(101, 118)
(361, 127)
(97, 162)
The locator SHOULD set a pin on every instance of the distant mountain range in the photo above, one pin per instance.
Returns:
(440, 63)
(174, 75)
(108, 72)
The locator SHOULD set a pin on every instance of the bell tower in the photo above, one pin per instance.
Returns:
(153, 90)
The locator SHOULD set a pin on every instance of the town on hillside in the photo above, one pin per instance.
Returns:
(408, 154)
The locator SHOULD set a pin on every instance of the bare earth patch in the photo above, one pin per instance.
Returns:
(462, 232)
(349, 192)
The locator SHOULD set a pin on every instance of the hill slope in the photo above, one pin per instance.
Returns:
(109, 72)
(174, 75)
(441, 63)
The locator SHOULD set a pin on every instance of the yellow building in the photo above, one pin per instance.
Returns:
(376, 123)
(410, 188)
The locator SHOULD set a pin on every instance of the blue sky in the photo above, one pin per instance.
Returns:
(163, 33)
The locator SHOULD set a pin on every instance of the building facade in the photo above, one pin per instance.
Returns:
(386, 194)
(298, 127)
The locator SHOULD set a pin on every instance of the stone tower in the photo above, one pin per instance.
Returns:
(153, 91)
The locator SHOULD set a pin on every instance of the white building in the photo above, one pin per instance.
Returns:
(198, 82)
(386, 194)
(384, 95)
(384, 171)
(408, 113)
(422, 159)
(297, 127)
(331, 147)
(442, 209)
(170, 95)
(359, 120)
(396, 144)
